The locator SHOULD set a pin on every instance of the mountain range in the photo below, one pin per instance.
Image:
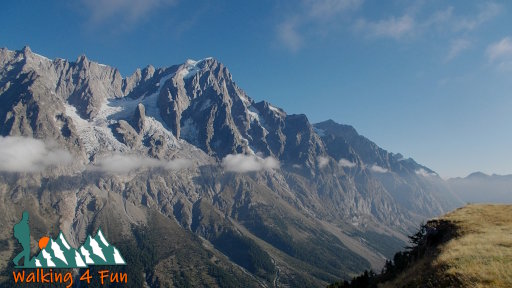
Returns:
(195, 182)
(479, 187)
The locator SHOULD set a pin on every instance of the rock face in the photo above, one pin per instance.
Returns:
(150, 163)
(416, 187)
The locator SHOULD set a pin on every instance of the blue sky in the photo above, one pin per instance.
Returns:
(429, 79)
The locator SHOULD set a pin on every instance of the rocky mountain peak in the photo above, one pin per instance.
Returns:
(139, 117)
(26, 50)
(182, 150)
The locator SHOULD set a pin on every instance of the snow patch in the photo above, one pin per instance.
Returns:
(245, 100)
(254, 115)
(191, 68)
(41, 57)
(275, 110)
(96, 132)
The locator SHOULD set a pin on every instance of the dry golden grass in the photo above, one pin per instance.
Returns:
(482, 254)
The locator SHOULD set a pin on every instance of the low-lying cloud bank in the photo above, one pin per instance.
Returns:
(377, 169)
(424, 173)
(122, 164)
(22, 154)
(322, 161)
(248, 163)
(346, 163)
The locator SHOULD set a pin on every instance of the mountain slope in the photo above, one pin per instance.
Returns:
(414, 186)
(468, 247)
(185, 146)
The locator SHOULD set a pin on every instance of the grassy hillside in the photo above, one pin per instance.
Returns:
(469, 247)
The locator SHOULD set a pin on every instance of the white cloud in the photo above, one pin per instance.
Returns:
(486, 12)
(288, 34)
(500, 50)
(448, 19)
(322, 161)
(417, 21)
(390, 28)
(376, 168)
(329, 8)
(346, 163)
(127, 11)
(456, 47)
(439, 18)
(122, 164)
(312, 18)
(20, 154)
(500, 54)
(505, 66)
(248, 163)
(424, 173)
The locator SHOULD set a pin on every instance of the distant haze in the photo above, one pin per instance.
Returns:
(482, 188)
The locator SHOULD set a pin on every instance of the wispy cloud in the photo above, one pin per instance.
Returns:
(500, 50)
(310, 17)
(424, 173)
(389, 28)
(289, 35)
(248, 163)
(126, 12)
(122, 164)
(325, 9)
(456, 47)
(378, 169)
(486, 12)
(327, 17)
(322, 161)
(439, 18)
(20, 154)
(500, 54)
(448, 19)
(443, 23)
(346, 163)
